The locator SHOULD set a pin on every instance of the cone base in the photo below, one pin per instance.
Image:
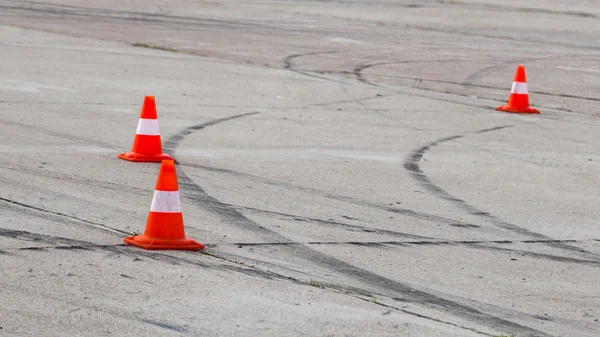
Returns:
(512, 109)
(138, 157)
(150, 243)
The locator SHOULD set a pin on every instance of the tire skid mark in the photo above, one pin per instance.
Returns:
(416, 314)
(322, 222)
(411, 164)
(483, 86)
(357, 71)
(137, 191)
(358, 100)
(45, 8)
(180, 260)
(63, 215)
(473, 244)
(52, 240)
(288, 63)
(334, 224)
(396, 210)
(513, 9)
(489, 36)
(409, 293)
(359, 293)
(174, 140)
(62, 243)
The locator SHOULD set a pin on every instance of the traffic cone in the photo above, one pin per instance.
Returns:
(164, 228)
(147, 146)
(518, 101)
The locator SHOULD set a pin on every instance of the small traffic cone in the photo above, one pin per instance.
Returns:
(164, 228)
(147, 146)
(518, 101)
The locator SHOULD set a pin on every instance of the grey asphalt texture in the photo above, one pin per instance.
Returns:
(342, 161)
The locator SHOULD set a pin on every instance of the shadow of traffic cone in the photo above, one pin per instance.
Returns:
(164, 228)
(147, 146)
(518, 101)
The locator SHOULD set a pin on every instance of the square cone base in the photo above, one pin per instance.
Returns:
(150, 243)
(512, 109)
(138, 157)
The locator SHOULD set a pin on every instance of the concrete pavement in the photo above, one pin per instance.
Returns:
(342, 161)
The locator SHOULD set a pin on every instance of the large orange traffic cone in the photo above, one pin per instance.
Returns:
(147, 146)
(164, 228)
(518, 101)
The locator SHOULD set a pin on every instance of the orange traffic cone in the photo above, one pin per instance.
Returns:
(518, 101)
(147, 146)
(164, 228)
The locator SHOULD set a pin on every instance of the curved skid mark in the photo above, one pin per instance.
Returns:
(411, 164)
(393, 288)
(288, 63)
(469, 79)
(358, 100)
(361, 78)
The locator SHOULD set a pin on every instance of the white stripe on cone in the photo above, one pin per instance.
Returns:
(148, 127)
(166, 202)
(519, 88)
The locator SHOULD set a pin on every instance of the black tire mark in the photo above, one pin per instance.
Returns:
(357, 71)
(543, 256)
(416, 314)
(172, 142)
(411, 164)
(58, 10)
(178, 260)
(50, 12)
(34, 237)
(510, 9)
(358, 100)
(334, 224)
(483, 86)
(288, 63)
(473, 244)
(321, 222)
(396, 210)
(62, 215)
(409, 293)
(479, 72)
(478, 34)
(138, 191)
(62, 243)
